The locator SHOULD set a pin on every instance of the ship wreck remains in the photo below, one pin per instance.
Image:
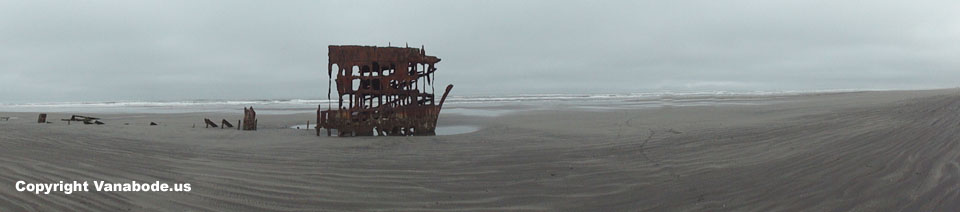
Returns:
(382, 90)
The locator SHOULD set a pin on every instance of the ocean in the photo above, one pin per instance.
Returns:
(454, 104)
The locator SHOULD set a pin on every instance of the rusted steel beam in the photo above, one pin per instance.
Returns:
(444, 98)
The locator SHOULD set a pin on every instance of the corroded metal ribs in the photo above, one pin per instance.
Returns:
(382, 90)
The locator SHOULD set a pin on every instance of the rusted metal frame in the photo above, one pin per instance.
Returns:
(400, 109)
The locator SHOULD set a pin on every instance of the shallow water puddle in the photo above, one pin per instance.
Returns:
(303, 127)
(442, 130)
(475, 112)
(456, 129)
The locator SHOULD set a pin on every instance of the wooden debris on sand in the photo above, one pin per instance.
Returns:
(84, 119)
(249, 119)
(209, 123)
(225, 123)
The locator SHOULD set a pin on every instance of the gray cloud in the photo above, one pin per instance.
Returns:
(171, 50)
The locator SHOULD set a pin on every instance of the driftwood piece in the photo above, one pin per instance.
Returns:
(225, 123)
(209, 123)
(42, 118)
(82, 118)
(4, 118)
(249, 119)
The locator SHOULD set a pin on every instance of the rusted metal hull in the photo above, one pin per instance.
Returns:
(381, 91)
(396, 121)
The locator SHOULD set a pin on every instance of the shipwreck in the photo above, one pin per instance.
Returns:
(382, 91)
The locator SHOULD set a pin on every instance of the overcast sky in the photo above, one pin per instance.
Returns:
(181, 50)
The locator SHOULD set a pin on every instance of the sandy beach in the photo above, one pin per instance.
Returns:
(859, 151)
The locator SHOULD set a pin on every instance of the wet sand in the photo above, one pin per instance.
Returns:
(867, 151)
